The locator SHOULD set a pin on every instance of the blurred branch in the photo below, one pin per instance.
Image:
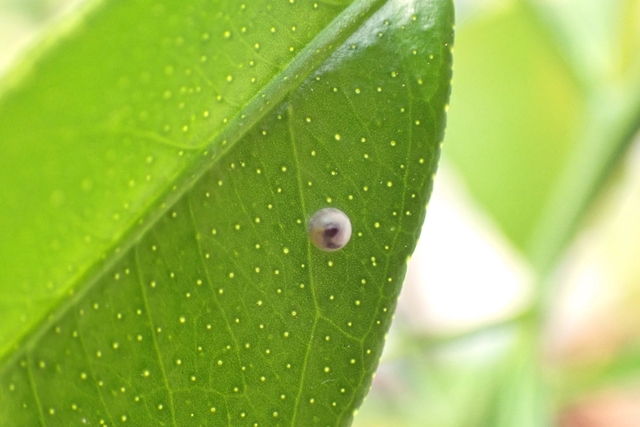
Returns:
(614, 119)
(412, 343)
(583, 378)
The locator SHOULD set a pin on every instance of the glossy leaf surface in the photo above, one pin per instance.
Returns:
(161, 163)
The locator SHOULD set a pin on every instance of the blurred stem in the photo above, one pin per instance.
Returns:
(422, 342)
(513, 392)
(583, 378)
(613, 121)
(611, 128)
(611, 125)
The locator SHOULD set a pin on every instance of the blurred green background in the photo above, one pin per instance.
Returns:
(522, 302)
(523, 306)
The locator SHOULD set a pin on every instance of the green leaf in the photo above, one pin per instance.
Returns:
(160, 161)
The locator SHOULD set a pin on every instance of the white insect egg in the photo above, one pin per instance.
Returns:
(329, 229)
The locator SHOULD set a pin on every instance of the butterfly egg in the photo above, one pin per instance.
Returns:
(329, 229)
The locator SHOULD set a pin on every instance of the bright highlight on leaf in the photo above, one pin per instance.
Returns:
(159, 271)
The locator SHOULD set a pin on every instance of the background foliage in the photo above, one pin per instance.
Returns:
(544, 113)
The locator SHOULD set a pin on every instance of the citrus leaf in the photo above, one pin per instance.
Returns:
(162, 161)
